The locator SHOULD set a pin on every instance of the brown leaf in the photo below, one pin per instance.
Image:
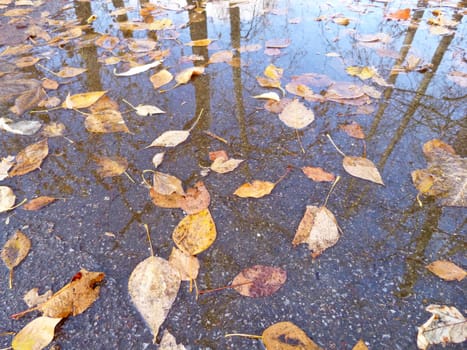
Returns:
(256, 189)
(296, 115)
(267, 82)
(353, 129)
(38, 203)
(447, 270)
(30, 158)
(14, 251)
(111, 166)
(75, 297)
(287, 336)
(167, 184)
(259, 281)
(173, 200)
(362, 168)
(318, 174)
(187, 265)
(106, 121)
(104, 103)
(196, 199)
(318, 228)
(277, 107)
(161, 78)
(50, 84)
(70, 72)
(27, 61)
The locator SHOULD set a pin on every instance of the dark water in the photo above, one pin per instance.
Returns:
(372, 285)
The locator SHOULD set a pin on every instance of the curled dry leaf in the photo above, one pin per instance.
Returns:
(105, 121)
(362, 168)
(38, 203)
(153, 287)
(36, 335)
(256, 189)
(447, 270)
(138, 69)
(75, 297)
(170, 138)
(14, 251)
(287, 336)
(195, 232)
(318, 174)
(446, 325)
(111, 166)
(187, 265)
(259, 281)
(318, 228)
(161, 78)
(268, 96)
(168, 342)
(30, 158)
(83, 100)
(296, 115)
(7, 198)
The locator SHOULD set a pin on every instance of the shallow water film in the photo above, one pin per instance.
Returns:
(285, 160)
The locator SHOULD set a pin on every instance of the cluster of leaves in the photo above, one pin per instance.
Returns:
(154, 283)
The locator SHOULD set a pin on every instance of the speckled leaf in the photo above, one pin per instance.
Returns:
(287, 336)
(153, 287)
(30, 158)
(7, 198)
(447, 270)
(105, 121)
(195, 233)
(296, 115)
(14, 251)
(36, 335)
(318, 228)
(256, 189)
(362, 168)
(259, 281)
(75, 297)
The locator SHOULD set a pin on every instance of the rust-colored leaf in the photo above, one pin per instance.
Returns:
(447, 270)
(353, 129)
(196, 199)
(38, 203)
(318, 174)
(30, 158)
(403, 14)
(259, 281)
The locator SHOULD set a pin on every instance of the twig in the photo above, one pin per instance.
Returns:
(128, 103)
(207, 132)
(300, 141)
(197, 120)
(332, 189)
(335, 146)
(129, 177)
(252, 336)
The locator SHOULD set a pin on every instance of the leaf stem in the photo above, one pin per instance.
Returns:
(144, 179)
(149, 238)
(205, 291)
(10, 279)
(22, 313)
(332, 189)
(252, 336)
(128, 103)
(335, 146)
(289, 169)
(300, 141)
(129, 177)
(197, 120)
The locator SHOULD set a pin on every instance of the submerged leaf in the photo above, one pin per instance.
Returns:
(23, 127)
(296, 115)
(153, 287)
(106, 121)
(447, 270)
(109, 167)
(287, 336)
(36, 335)
(7, 198)
(30, 158)
(195, 232)
(161, 78)
(362, 168)
(318, 228)
(256, 189)
(70, 72)
(259, 281)
(446, 325)
(196, 199)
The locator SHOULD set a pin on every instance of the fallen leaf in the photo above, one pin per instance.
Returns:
(106, 121)
(268, 96)
(446, 325)
(268, 82)
(70, 72)
(27, 61)
(168, 342)
(153, 287)
(343, 21)
(447, 270)
(318, 174)
(403, 14)
(170, 138)
(361, 72)
(360, 345)
(32, 297)
(318, 228)
(157, 159)
(296, 115)
(36, 335)
(287, 336)
(222, 166)
(225, 56)
(195, 232)
(185, 75)
(38, 203)
(14, 251)
(362, 168)
(30, 158)
(75, 297)
(107, 42)
(103, 104)
(167, 184)
(353, 129)
(171, 201)
(145, 110)
(259, 281)
(7, 198)
(199, 42)
(256, 189)
(141, 45)
(273, 72)
(187, 265)
(5, 164)
(278, 43)
(161, 78)
(138, 69)
(23, 127)
(277, 107)
(53, 129)
(110, 166)
(83, 100)
(196, 199)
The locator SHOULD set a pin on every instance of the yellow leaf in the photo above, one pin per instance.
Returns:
(161, 78)
(200, 42)
(360, 345)
(447, 270)
(273, 72)
(343, 21)
(195, 233)
(30, 158)
(109, 167)
(105, 121)
(36, 335)
(287, 336)
(361, 72)
(14, 251)
(256, 189)
(83, 100)
(185, 75)
(267, 82)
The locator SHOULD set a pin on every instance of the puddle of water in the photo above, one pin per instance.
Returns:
(371, 285)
